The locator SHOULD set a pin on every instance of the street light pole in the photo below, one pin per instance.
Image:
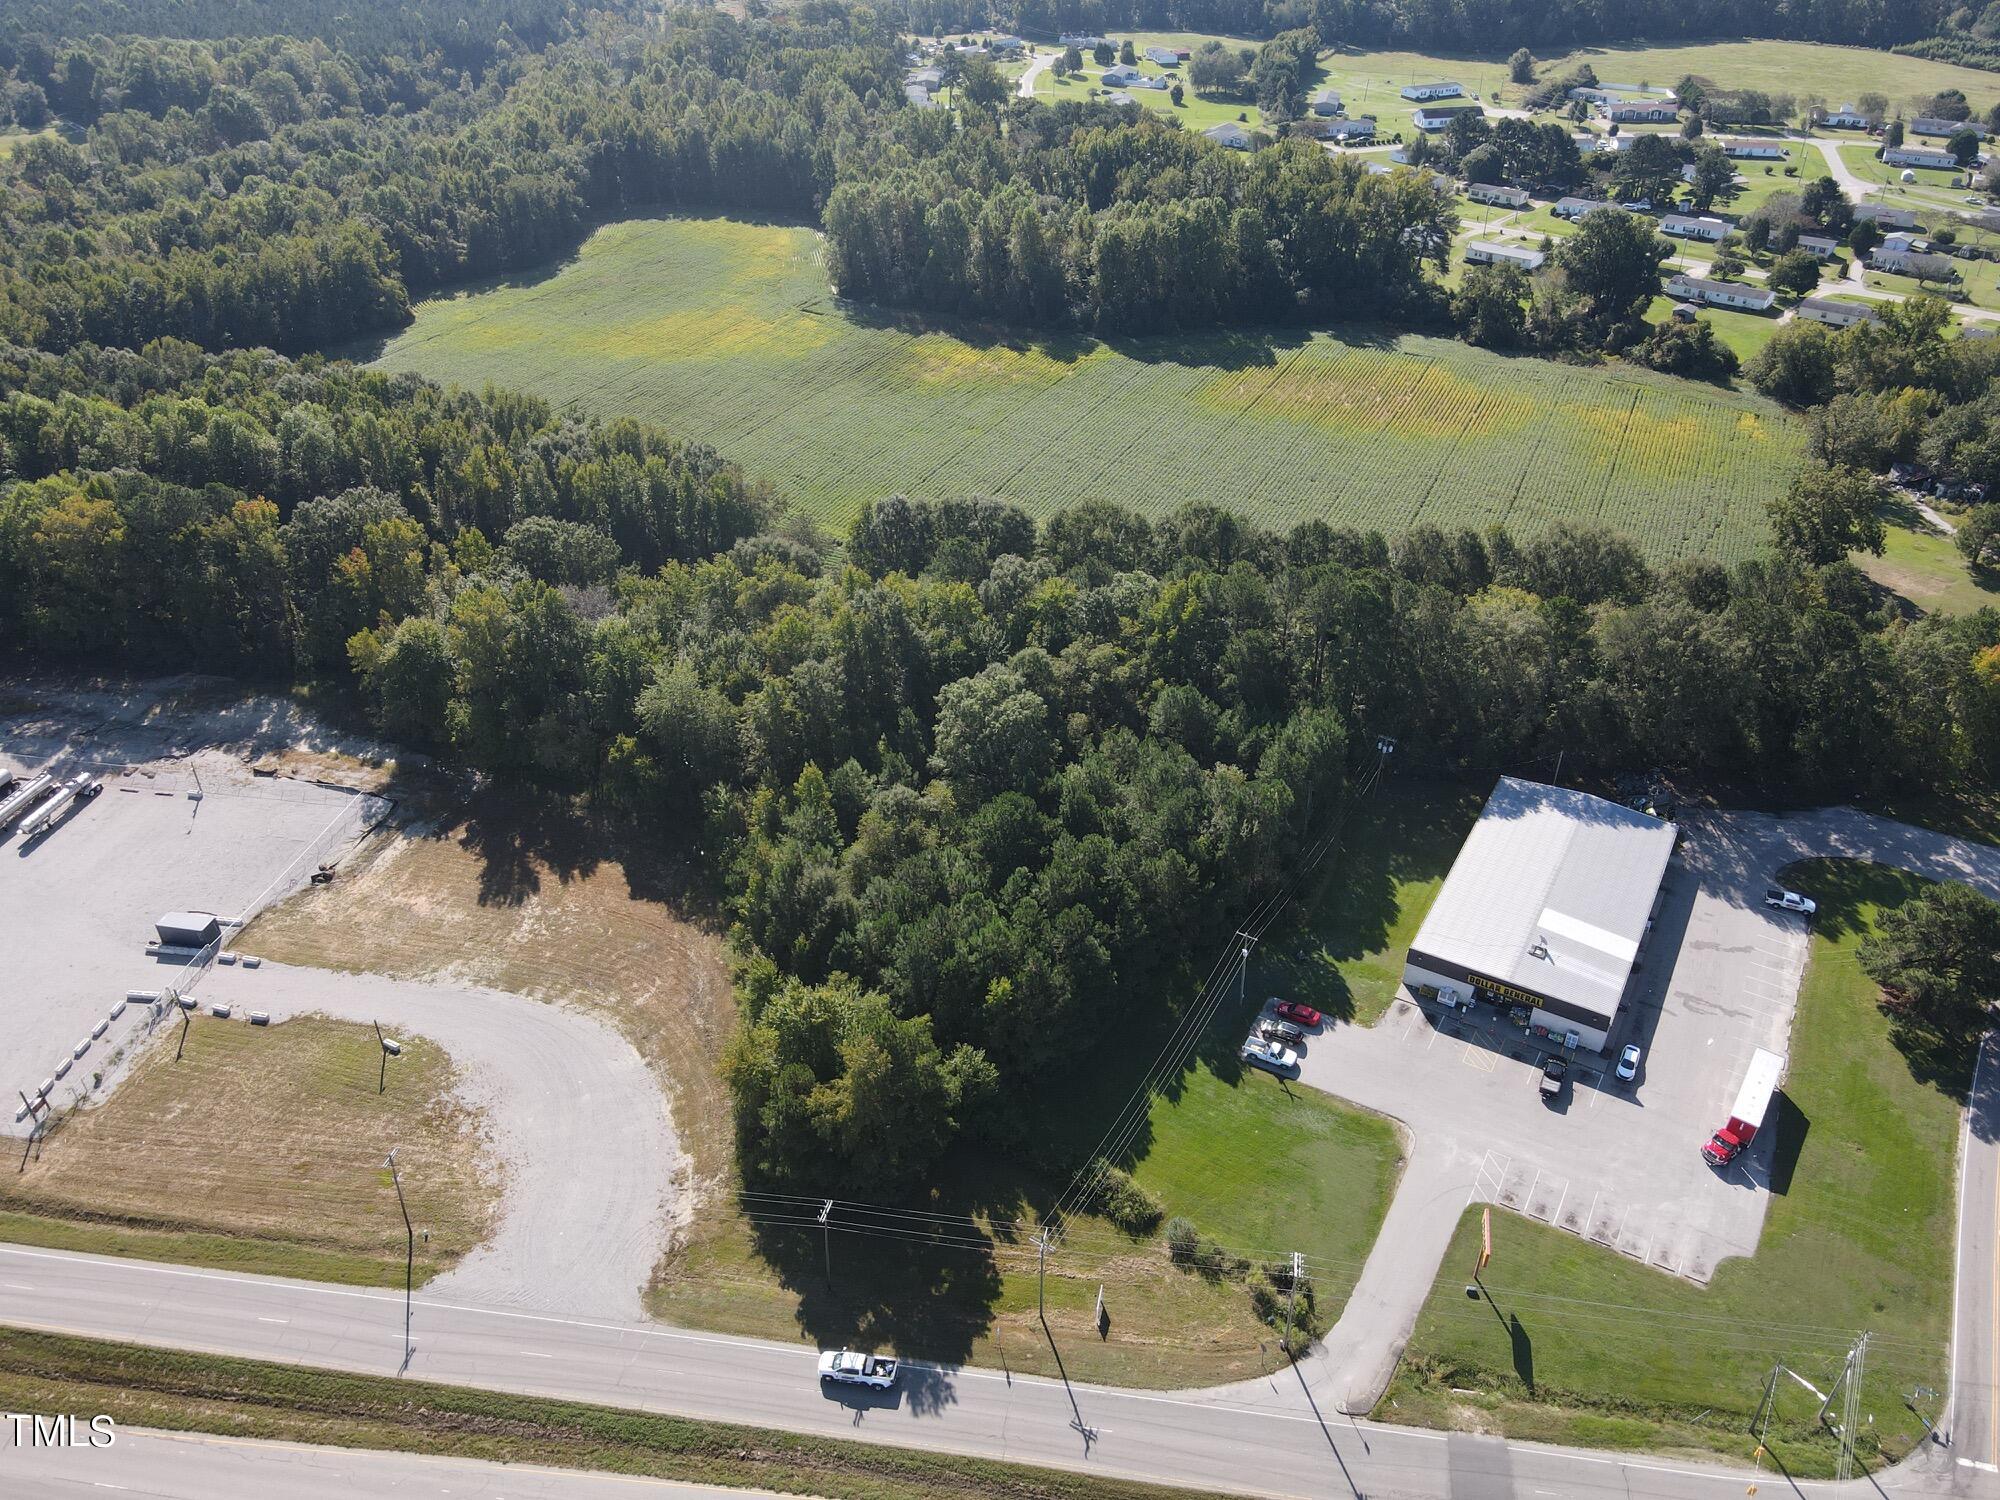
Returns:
(409, 1258)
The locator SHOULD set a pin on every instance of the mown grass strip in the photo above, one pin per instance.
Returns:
(176, 1391)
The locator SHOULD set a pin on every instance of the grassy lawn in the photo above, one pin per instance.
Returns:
(1193, 112)
(1923, 566)
(1978, 284)
(1261, 1169)
(1744, 332)
(1859, 1236)
(261, 1150)
(727, 330)
(1863, 163)
(1838, 73)
(1344, 954)
(258, 1399)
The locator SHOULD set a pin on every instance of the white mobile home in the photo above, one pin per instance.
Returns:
(1422, 91)
(1691, 227)
(1484, 253)
(1721, 293)
(1496, 195)
(1837, 314)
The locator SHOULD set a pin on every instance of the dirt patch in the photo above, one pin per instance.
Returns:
(270, 1140)
(502, 899)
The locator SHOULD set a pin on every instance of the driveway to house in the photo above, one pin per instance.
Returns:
(1038, 64)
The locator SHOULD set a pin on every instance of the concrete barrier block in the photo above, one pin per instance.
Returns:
(142, 997)
(219, 1011)
(260, 1018)
(118, 1010)
(62, 1070)
(253, 963)
(186, 1001)
(225, 958)
(99, 1029)
(80, 1048)
(47, 1088)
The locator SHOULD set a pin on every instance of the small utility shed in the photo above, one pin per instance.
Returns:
(188, 929)
(1546, 906)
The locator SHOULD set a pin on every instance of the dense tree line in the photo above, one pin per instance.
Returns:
(275, 192)
(251, 514)
(1479, 26)
(464, 33)
(1902, 390)
(966, 780)
(1083, 214)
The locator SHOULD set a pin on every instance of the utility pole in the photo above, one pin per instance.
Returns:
(409, 1258)
(1041, 1279)
(826, 1236)
(1292, 1295)
(1243, 974)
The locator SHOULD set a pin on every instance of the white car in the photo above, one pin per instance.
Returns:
(1271, 1056)
(1805, 906)
(1628, 1063)
(852, 1368)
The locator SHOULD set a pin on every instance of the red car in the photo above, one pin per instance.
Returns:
(1297, 1014)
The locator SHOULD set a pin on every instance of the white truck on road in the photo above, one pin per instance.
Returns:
(851, 1368)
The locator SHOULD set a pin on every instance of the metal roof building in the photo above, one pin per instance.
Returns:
(1546, 906)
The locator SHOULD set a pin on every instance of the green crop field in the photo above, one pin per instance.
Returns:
(725, 332)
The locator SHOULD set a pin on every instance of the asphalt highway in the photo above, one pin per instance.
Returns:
(1287, 1447)
(196, 1466)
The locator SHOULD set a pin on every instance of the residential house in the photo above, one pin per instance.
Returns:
(1351, 131)
(1166, 57)
(918, 96)
(1496, 195)
(1117, 96)
(1837, 314)
(1007, 46)
(1885, 216)
(1693, 227)
(1908, 261)
(1422, 91)
(1847, 117)
(1576, 208)
(1593, 95)
(1820, 246)
(1327, 102)
(1640, 114)
(1920, 156)
(1904, 244)
(1121, 76)
(1945, 129)
(1229, 134)
(1686, 288)
(1754, 150)
(1084, 41)
(1437, 116)
(925, 78)
(1485, 253)
(1148, 81)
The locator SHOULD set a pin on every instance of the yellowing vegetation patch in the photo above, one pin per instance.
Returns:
(710, 333)
(1361, 391)
(939, 359)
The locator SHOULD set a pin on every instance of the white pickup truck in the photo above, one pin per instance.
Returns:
(850, 1368)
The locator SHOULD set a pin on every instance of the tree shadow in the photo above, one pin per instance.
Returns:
(930, 1301)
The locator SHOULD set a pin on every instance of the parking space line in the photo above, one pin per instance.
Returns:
(1556, 1217)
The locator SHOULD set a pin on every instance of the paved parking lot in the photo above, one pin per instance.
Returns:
(1615, 1162)
(78, 906)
